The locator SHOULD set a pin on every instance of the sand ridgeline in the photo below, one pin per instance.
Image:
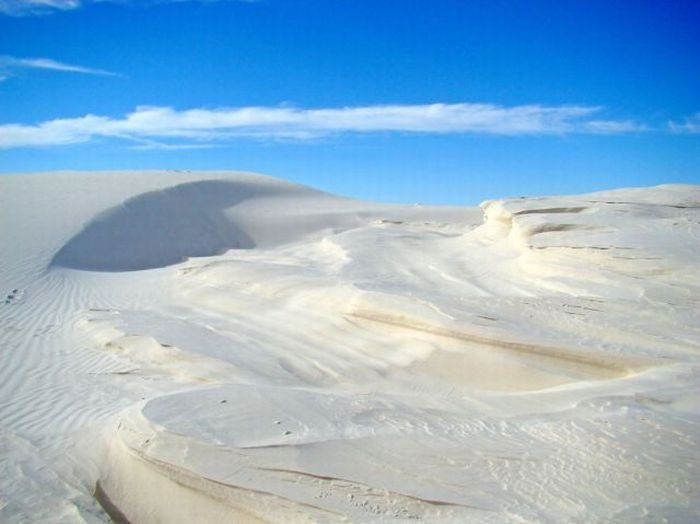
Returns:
(215, 346)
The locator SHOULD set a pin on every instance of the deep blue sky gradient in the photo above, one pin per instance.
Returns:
(640, 60)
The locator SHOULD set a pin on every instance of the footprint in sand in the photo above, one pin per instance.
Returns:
(13, 296)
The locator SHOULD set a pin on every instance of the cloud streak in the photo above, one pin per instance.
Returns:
(36, 7)
(163, 125)
(8, 64)
(691, 125)
(44, 7)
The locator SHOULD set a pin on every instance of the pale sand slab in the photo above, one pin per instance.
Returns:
(321, 359)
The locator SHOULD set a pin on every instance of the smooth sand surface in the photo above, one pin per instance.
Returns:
(227, 347)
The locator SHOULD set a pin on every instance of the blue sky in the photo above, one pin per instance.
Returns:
(439, 102)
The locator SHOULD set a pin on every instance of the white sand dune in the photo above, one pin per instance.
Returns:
(223, 347)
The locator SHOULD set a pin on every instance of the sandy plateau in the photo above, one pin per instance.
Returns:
(223, 347)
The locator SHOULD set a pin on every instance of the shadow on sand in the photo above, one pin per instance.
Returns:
(161, 228)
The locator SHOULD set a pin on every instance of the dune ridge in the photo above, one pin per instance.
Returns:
(222, 346)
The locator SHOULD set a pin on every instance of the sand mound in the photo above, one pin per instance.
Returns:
(535, 359)
(161, 228)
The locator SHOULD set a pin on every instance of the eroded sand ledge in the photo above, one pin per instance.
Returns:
(532, 360)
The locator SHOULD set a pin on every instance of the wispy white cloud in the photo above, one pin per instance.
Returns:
(220, 125)
(9, 64)
(43, 7)
(611, 127)
(690, 125)
(36, 7)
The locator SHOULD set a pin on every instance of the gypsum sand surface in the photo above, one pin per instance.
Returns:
(216, 346)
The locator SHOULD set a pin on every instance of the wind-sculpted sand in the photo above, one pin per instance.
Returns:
(223, 347)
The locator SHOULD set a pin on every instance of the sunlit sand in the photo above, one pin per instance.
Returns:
(225, 347)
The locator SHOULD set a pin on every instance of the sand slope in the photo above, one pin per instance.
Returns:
(222, 347)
